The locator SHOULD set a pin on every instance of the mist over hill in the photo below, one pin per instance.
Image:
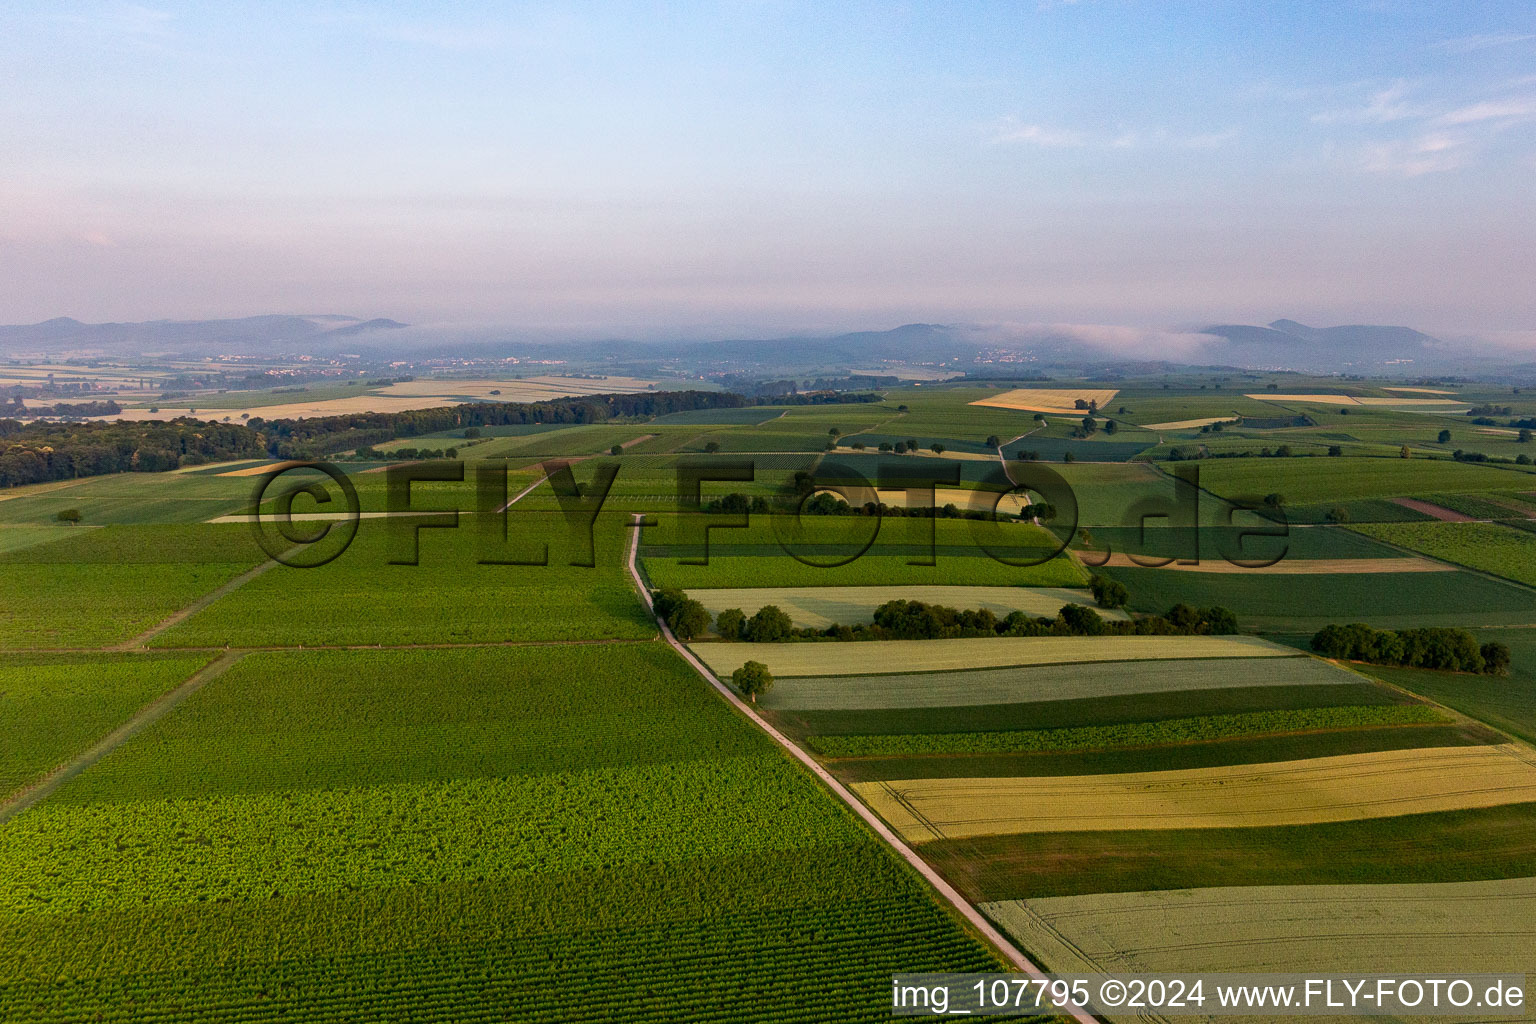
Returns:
(976, 349)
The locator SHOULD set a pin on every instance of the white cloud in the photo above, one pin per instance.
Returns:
(1383, 106)
(1514, 108)
(1011, 129)
(1430, 153)
(1487, 41)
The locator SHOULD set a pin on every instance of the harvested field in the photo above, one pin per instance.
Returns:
(832, 658)
(820, 607)
(1047, 683)
(1445, 515)
(1379, 929)
(1055, 400)
(1420, 391)
(1284, 567)
(1190, 424)
(1307, 792)
(261, 468)
(1331, 399)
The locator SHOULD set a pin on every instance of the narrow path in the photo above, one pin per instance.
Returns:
(146, 716)
(988, 931)
(195, 607)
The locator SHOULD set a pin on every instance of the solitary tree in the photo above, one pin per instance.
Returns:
(1274, 500)
(1069, 457)
(617, 449)
(1338, 514)
(833, 431)
(993, 440)
(1107, 592)
(711, 446)
(752, 679)
(1445, 437)
(68, 515)
(936, 448)
(1525, 436)
(1335, 450)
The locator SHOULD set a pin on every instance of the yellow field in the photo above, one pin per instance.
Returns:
(1331, 399)
(1057, 400)
(831, 658)
(1374, 929)
(1190, 424)
(820, 607)
(1343, 788)
(1421, 391)
(260, 468)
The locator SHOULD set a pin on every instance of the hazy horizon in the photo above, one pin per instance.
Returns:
(763, 169)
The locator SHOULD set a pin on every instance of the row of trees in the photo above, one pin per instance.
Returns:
(918, 620)
(1438, 647)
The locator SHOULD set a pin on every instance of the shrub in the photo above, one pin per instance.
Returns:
(68, 515)
(1338, 514)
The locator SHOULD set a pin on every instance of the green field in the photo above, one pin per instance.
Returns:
(1505, 702)
(1305, 481)
(95, 588)
(1452, 846)
(1126, 709)
(312, 805)
(54, 707)
(1487, 546)
(1295, 603)
(449, 597)
(1137, 734)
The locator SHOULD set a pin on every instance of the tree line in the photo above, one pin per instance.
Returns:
(1439, 647)
(918, 620)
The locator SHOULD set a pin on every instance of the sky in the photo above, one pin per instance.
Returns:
(755, 167)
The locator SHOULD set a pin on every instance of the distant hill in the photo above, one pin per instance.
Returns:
(1297, 346)
(253, 334)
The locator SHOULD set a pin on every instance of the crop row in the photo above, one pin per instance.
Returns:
(809, 963)
(311, 719)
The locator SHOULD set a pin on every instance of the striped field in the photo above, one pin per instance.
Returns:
(1344, 788)
(1025, 684)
